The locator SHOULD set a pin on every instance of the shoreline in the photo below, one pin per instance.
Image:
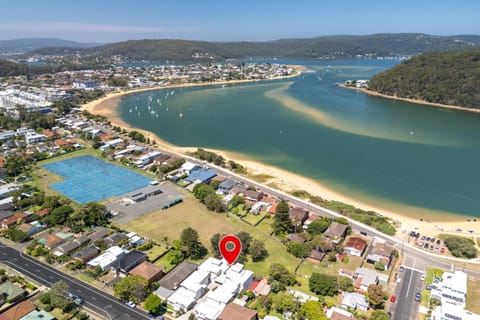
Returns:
(441, 222)
(415, 101)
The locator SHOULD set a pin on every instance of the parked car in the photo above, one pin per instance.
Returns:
(422, 277)
(131, 304)
(442, 250)
(418, 297)
(393, 299)
(363, 233)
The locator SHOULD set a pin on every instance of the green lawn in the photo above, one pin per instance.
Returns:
(169, 223)
(254, 219)
(265, 225)
(165, 263)
(155, 252)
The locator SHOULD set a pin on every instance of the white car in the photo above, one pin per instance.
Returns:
(422, 277)
(131, 304)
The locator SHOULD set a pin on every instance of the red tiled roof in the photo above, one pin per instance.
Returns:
(234, 311)
(147, 270)
(13, 219)
(253, 285)
(43, 212)
(20, 310)
(52, 240)
(356, 243)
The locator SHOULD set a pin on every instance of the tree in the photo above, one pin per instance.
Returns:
(175, 256)
(245, 239)
(214, 241)
(281, 221)
(379, 315)
(311, 310)
(131, 288)
(345, 284)
(257, 250)
(214, 203)
(16, 235)
(375, 295)
(59, 295)
(94, 214)
(323, 284)
(153, 304)
(279, 277)
(284, 301)
(318, 226)
(236, 201)
(189, 240)
(299, 250)
(201, 191)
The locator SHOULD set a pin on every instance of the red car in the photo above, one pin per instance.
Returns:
(393, 299)
(442, 250)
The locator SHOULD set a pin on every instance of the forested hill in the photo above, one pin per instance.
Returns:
(451, 78)
(344, 46)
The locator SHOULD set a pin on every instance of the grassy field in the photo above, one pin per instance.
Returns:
(254, 219)
(473, 296)
(190, 213)
(165, 263)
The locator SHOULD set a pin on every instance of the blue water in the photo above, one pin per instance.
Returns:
(395, 155)
(88, 179)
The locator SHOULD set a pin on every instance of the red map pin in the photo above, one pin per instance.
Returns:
(230, 248)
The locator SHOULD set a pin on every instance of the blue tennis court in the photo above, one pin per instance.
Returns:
(88, 179)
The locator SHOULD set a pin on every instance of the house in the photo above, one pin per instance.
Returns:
(163, 293)
(131, 260)
(52, 241)
(298, 216)
(98, 233)
(293, 237)
(262, 288)
(86, 254)
(208, 310)
(110, 257)
(233, 311)
(191, 289)
(253, 195)
(172, 280)
(346, 273)
(336, 232)
(365, 277)
(11, 292)
(354, 300)
(187, 168)
(335, 313)
(38, 315)
(149, 271)
(115, 239)
(14, 219)
(201, 176)
(226, 186)
(19, 310)
(31, 228)
(452, 288)
(72, 245)
(355, 246)
(380, 252)
(316, 256)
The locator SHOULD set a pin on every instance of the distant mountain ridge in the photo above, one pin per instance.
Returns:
(451, 78)
(29, 44)
(338, 46)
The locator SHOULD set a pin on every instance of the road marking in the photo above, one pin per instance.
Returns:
(93, 298)
(411, 276)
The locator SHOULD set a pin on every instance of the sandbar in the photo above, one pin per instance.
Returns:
(426, 221)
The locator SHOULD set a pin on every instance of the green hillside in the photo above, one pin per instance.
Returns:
(451, 78)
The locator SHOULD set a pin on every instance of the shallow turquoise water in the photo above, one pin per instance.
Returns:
(384, 152)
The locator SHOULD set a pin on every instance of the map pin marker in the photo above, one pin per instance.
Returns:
(230, 248)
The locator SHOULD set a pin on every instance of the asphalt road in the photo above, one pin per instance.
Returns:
(405, 307)
(94, 298)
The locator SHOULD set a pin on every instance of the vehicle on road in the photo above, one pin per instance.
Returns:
(393, 299)
(442, 250)
(131, 304)
(422, 277)
(418, 297)
(401, 268)
(363, 233)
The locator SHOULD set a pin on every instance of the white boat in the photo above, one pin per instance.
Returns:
(180, 115)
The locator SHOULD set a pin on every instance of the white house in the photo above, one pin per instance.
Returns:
(453, 288)
(354, 301)
(108, 258)
(188, 167)
(208, 310)
(214, 266)
(34, 138)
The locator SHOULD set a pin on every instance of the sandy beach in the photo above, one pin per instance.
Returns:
(416, 101)
(407, 218)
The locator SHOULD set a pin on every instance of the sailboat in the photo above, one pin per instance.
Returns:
(180, 115)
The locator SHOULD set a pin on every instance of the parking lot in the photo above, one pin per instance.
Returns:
(427, 243)
(125, 210)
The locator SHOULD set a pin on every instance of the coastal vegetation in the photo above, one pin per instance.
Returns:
(371, 218)
(345, 46)
(208, 156)
(11, 69)
(460, 246)
(450, 78)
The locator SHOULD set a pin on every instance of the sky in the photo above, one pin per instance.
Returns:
(228, 20)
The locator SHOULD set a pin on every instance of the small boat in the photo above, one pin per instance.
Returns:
(130, 110)
(180, 115)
